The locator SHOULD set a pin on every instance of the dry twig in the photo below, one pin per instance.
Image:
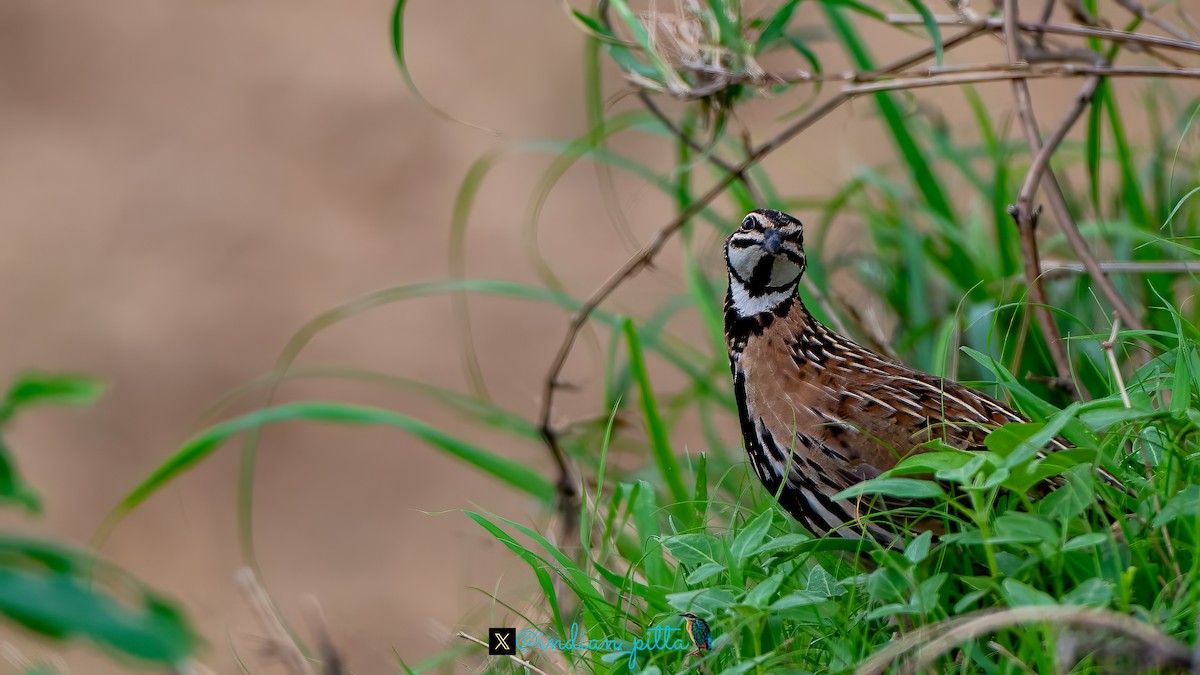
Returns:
(282, 644)
(1147, 646)
(1026, 217)
(995, 24)
(515, 659)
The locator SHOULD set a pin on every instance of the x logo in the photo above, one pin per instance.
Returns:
(502, 641)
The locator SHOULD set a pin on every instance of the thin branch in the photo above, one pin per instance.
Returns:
(1150, 648)
(1016, 72)
(1026, 217)
(515, 659)
(1140, 12)
(708, 152)
(1108, 347)
(1039, 170)
(1060, 268)
(997, 24)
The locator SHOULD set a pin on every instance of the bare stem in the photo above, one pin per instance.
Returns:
(282, 644)
(1147, 646)
(515, 659)
(998, 24)
(1025, 216)
(1056, 268)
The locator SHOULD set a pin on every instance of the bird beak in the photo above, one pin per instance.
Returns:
(772, 240)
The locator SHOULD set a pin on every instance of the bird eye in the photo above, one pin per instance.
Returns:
(749, 223)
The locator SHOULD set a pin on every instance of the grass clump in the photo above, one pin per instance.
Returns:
(1089, 578)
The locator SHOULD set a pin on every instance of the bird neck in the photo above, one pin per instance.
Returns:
(747, 315)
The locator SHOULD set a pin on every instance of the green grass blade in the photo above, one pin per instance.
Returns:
(910, 151)
(660, 443)
(397, 25)
(203, 444)
(931, 27)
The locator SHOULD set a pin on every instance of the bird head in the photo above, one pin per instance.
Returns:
(766, 259)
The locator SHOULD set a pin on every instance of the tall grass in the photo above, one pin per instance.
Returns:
(694, 532)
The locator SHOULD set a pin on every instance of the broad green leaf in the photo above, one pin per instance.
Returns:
(1083, 541)
(704, 572)
(918, 549)
(760, 596)
(692, 549)
(1019, 594)
(1073, 497)
(750, 539)
(1094, 592)
(783, 543)
(55, 591)
(931, 462)
(704, 601)
(903, 488)
(1185, 504)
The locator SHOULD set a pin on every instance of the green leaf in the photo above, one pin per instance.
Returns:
(774, 29)
(42, 388)
(1073, 497)
(203, 444)
(704, 572)
(823, 583)
(760, 596)
(1094, 133)
(918, 549)
(1185, 504)
(13, 488)
(706, 600)
(693, 549)
(645, 519)
(1017, 526)
(931, 26)
(932, 462)
(1094, 592)
(660, 444)
(750, 539)
(914, 157)
(536, 563)
(1018, 594)
(55, 591)
(402, 62)
(903, 488)
(1089, 540)
(783, 543)
(887, 585)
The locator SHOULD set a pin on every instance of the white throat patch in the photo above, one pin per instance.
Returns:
(747, 305)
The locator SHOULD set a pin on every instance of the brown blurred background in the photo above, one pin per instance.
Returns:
(186, 183)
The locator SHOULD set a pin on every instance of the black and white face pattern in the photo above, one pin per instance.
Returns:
(766, 258)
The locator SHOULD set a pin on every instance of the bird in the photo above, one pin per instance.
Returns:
(820, 413)
(697, 629)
